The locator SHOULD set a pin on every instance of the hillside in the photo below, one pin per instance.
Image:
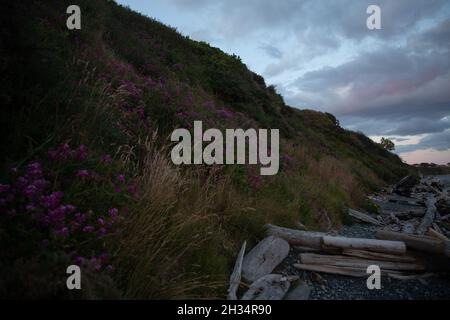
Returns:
(87, 175)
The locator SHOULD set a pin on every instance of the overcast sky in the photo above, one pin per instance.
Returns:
(393, 82)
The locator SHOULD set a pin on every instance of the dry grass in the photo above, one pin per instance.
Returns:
(182, 234)
(176, 221)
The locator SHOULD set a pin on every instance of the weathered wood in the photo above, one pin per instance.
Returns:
(363, 217)
(306, 249)
(436, 234)
(235, 278)
(301, 292)
(345, 261)
(269, 287)
(344, 271)
(297, 237)
(395, 247)
(429, 216)
(378, 256)
(264, 258)
(416, 242)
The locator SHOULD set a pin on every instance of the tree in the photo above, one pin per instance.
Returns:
(333, 119)
(387, 144)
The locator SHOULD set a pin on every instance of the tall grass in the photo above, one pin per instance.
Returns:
(176, 220)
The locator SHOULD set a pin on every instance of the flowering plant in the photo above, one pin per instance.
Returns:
(59, 201)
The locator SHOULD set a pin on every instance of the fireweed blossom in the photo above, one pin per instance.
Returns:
(52, 221)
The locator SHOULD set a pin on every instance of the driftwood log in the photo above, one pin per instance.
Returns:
(297, 237)
(264, 258)
(416, 242)
(384, 246)
(235, 278)
(344, 261)
(363, 217)
(429, 216)
(378, 256)
(344, 271)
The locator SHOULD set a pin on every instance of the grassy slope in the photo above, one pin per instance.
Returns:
(126, 77)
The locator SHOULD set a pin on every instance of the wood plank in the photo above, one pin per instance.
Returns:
(345, 261)
(344, 271)
(378, 256)
(384, 246)
(363, 217)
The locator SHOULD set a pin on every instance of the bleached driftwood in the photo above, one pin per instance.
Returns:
(429, 216)
(345, 261)
(378, 256)
(363, 217)
(416, 242)
(264, 257)
(235, 278)
(269, 287)
(344, 271)
(297, 237)
(394, 247)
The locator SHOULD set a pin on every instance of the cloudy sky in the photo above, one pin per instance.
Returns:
(393, 82)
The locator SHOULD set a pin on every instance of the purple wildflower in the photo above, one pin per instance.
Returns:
(4, 188)
(113, 213)
(53, 200)
(81, 153)
(83, 174)
(88, 229)
(106, 159)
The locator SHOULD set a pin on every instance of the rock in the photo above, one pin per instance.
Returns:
(315, 277)
(301, 292)
(408, 227)
(264, 258)
(405, 186)
(269, 287)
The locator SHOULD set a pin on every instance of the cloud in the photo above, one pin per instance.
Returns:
(420, 125)
(390, 82)
(272, 51)
(439, 141)
(395, 90)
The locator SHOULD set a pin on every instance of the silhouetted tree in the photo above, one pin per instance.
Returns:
(387, 144)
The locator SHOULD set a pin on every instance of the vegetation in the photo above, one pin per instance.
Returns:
(87, 176)
(387, 144)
